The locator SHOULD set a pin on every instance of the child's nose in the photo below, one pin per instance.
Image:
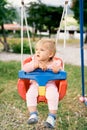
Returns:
(38, 52)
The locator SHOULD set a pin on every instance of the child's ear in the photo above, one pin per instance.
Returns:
(51, 54)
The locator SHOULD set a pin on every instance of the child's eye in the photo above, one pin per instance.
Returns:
(36, 49)
(42, 49)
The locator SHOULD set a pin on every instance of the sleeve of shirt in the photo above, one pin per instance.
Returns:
(29, 67)
(56, 63)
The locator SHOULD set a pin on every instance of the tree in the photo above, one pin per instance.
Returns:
(7, 14)
(41, 15)
(75, 8)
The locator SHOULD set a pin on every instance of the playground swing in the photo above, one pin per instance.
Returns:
(40, 76)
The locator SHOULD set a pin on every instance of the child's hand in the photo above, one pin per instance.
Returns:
(36, 65)
(55, 69)
(42, 66)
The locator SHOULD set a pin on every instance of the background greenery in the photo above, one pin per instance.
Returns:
(72, 114)
(36, 11)
(15, 44)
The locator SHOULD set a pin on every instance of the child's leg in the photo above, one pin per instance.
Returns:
(31, 98)
(52, 96)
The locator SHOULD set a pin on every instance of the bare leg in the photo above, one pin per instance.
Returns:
(52, 96)
(32, 109)
(31, 98)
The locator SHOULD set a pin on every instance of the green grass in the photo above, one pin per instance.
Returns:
(71, 115)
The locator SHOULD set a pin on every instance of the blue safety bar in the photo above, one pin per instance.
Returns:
(42, 77)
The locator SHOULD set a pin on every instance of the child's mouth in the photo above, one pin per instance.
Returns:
(38, 56)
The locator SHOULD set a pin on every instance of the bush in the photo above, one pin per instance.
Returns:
(16, 48)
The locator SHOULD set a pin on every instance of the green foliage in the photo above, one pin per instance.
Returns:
(2, 10)
(41, 15)
(16, 48)
(76, 10)
(7, 13)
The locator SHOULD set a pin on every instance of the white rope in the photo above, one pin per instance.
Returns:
(65, 36)
(28, 33)
(64, 14)
(58, 31)
(21, 35)
(23, 15)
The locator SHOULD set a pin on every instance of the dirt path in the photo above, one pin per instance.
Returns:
(72, 55)
(69, 54)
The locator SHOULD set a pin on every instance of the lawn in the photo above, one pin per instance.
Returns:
(71, 115)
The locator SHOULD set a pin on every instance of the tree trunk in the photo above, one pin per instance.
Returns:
(49, 32)
(4, 42)
(85, 38)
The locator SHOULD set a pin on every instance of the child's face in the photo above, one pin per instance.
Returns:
(42, 52)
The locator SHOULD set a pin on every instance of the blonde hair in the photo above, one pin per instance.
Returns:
(50, 44)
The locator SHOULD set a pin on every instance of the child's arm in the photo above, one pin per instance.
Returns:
(57, 66)
(30, 66)
(42, 66)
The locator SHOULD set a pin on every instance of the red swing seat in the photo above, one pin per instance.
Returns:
(23, 85)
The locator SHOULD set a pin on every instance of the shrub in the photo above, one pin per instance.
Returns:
(16, 48)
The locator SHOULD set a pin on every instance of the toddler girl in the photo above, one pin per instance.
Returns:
(45, 50)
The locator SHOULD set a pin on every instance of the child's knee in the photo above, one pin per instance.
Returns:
(52, 93)
(32, 92)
